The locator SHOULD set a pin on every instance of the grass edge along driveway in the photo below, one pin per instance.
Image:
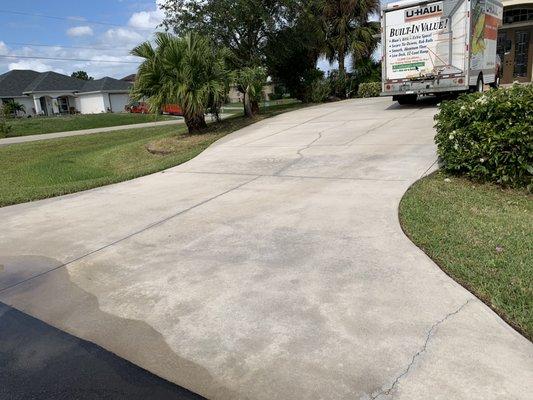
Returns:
(479, 234)
(38, 170)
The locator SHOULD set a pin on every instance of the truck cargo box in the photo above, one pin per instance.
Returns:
(439, 46)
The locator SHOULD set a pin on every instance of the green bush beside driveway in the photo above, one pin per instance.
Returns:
(489, 136)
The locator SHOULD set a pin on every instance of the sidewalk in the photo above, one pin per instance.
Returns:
(56, 135)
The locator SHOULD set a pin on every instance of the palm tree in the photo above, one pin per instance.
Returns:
(186, 70)
(12, 108)
(347, 30)
(250, 82)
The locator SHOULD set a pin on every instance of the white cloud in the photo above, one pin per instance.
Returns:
(35, 65)
(147, 19)
(121, 37)
(108, 61)
(3, 49)
(80, 31)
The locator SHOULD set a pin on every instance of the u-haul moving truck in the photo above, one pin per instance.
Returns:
(432, 47)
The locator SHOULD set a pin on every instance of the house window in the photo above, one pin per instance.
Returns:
(63, 105)
(521, 53)
(517, 15)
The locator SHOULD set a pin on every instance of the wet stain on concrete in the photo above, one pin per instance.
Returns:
(16, 269)
(56, 300)
(38, 361)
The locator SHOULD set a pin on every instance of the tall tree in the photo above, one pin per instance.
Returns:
(82, 75)
(347, 29)
(242, 26)
(187, 70)
(292, 52)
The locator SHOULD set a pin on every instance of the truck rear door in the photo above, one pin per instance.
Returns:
(422, 40)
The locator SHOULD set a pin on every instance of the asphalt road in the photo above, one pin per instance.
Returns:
(38, 361)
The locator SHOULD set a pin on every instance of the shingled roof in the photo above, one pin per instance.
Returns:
(13, 83)
(17, 83)
(51, 81)
(106, 84)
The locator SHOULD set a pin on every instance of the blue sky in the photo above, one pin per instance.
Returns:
(84, 29)
(130, 22)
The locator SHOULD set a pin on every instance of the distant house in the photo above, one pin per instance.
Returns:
(235, 96)
(50, 93)
(130, 78)
(515, 41)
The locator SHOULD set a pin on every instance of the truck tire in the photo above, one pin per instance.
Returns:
(407, 99)
(479, 85)
(496, 83)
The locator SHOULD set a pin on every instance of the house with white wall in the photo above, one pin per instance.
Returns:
(50, 93)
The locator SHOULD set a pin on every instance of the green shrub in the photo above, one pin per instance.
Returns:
(371, 89)
(5, 128)
(341, 85)
(274, 96)
(319, 91)
(489, 136)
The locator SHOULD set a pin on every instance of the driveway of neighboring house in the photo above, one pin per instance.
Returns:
(272, 266)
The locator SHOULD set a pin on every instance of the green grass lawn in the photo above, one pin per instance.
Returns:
(482, 236)
(37, 170)
(39, 125)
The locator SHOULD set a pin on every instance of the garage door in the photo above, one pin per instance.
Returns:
(118, 102)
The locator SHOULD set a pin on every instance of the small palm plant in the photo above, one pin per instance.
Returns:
(251, 82)
(12, 108)
(187, 70)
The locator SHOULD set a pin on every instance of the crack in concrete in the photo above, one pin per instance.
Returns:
(300, 155)
(387, 392)
(288, 129)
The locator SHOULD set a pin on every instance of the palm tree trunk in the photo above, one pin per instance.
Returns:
(255, 107)
(248, 109)
(341, 89)
(342, 68)
(195, 123)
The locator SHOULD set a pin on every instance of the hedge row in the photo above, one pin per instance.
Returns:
(489, 136)
(371, 89)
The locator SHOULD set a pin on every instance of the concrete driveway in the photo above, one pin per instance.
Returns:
(272, 266)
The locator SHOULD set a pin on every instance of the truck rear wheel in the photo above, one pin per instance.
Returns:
(406, 99)
(496, 83)
(479, 85)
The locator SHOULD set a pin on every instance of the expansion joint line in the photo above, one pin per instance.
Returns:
(418, 354)
(375, 128)
(146, 228)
